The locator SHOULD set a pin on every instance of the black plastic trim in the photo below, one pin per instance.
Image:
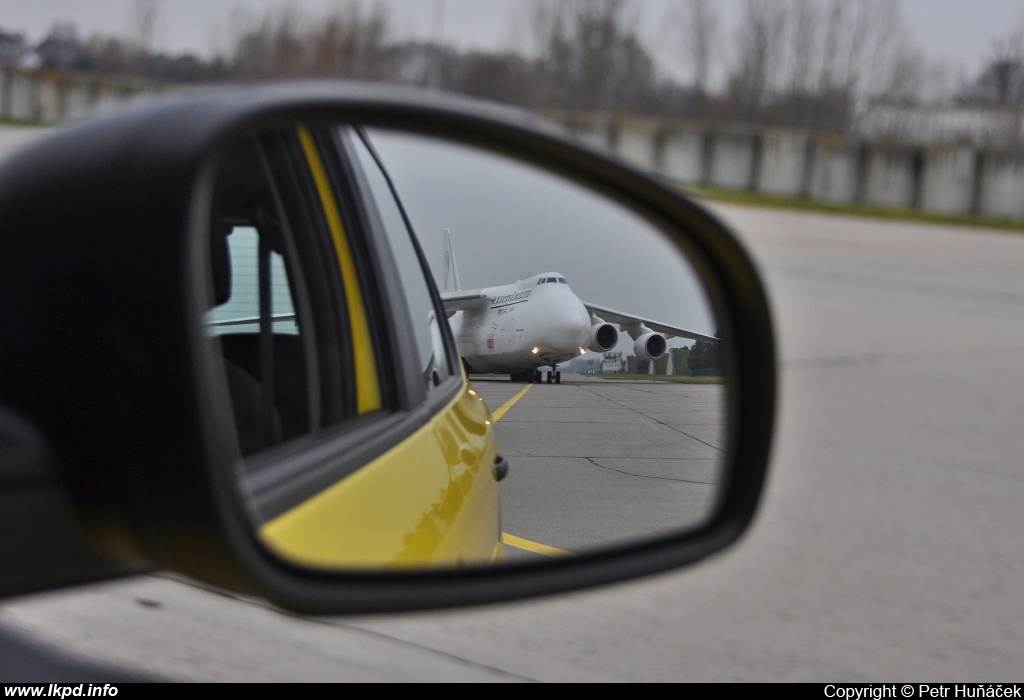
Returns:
(147, 462)
(385, 299)
(451, 348)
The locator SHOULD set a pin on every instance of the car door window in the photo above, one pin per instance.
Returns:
(241, 312)
(281, 314)
(364, 358)
(434, 360)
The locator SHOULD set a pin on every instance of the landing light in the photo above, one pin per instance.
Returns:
(582, 351)
(536, 350)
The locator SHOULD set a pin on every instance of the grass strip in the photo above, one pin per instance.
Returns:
(662, 378)
(16, 121)
(746, 197)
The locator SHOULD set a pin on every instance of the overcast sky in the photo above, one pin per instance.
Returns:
(958, 31)
(510, 221)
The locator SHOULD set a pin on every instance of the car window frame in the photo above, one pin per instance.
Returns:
(285, 476)
(414, 395)
(444, 391)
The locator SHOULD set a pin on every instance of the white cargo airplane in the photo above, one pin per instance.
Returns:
(518, 328)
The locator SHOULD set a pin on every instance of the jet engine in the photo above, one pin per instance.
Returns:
(650, 346)
(603, 337)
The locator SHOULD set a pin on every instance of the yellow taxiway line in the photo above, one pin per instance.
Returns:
(512, 540)
(508, 404)
(535, 547)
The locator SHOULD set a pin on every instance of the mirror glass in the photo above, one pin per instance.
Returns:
(356, 274)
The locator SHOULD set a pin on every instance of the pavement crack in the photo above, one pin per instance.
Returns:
(649, 476)
(651, 418)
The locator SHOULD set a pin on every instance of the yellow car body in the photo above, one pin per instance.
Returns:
(442, 505)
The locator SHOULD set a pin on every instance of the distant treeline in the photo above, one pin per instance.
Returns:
(812, 64)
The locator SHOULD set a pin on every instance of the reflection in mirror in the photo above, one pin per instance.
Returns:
(595, 413)
(594, 346)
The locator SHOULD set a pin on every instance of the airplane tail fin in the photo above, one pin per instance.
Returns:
(451, 271)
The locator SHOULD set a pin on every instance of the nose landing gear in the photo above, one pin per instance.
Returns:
(535, 376)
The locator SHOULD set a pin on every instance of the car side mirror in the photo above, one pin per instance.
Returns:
(240, 329)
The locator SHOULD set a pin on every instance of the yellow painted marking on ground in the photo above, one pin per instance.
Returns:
(512, 540)
(508, 404)
(531, 546)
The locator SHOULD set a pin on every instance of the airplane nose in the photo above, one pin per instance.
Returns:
(570, 332)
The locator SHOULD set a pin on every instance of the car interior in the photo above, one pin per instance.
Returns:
(265, 354)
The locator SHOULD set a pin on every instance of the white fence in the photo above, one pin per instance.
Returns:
(953, 179)
(48, 96)
(947, 179)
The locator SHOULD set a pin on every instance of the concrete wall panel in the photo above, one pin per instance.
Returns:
(1002, 180)
(110, 96)
(682, 154)
(947, 182)
(22, 96)
(5, 79)
(890, 178)
(834, 172)
(782, 163)
(48, 99)
(637, 143)
(732, 160)
(77, 99)
(596, 130)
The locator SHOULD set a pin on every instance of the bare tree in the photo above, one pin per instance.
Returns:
(548, 23)
(805, 44)
(145, 15)
(697, 21)
(588, 54)
(869, 38)
(1005, 75)
(435, 74)
(908, 75)
(760, 45)
(350, 42)
(601, 51)
(804, 61)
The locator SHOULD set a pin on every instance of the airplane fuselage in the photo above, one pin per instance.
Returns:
(531, 323)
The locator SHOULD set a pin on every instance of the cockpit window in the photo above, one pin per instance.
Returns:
(561, 280)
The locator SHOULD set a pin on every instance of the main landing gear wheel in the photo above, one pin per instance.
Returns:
(558, 377)
(549, 376)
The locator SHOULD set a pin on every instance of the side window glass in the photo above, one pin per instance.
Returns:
(428, 334)
(241, 312)
(278, 315)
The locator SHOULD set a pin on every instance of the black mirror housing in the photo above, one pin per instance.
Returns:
(104, 358)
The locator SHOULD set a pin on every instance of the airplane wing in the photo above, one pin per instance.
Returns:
(466, 300)
(626, 320)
